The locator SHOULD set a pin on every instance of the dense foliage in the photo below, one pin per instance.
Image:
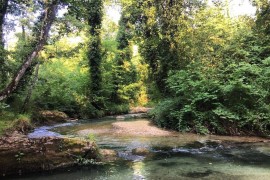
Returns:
(224, 89)
(209, 70)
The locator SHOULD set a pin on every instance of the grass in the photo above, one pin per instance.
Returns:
(9, 120)
(6, 121)
(3, 126)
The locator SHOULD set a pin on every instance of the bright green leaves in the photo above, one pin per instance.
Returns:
(219, 75)
(125, 72)
(235, 102)
(63, 78)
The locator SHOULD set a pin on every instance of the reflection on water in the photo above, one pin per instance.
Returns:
(185, 156)
(138, 170)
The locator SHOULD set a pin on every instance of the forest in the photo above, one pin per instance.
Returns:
(202, 69)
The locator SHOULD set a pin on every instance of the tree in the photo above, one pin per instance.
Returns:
(120, 75)
(223, 88)
(30, 90)
(158, 25)
(3, 11)
(40, 34)
(94, 20)
(263, 26)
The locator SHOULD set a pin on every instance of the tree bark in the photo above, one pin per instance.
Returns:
(3, 11)
(94, 18)
(47, 20)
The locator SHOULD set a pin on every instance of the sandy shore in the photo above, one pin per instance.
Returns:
(141, 127)
(134, 128)
(146, 128)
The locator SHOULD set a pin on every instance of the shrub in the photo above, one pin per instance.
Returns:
(233, 100)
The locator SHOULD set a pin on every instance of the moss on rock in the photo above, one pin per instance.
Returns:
(49, 117)
(20, 155)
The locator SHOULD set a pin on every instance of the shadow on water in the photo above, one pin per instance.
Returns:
(198, 174)
(241, 154)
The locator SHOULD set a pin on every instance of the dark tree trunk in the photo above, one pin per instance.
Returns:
(94, 8)
(46, 21)
(3, 11)
(94, 54)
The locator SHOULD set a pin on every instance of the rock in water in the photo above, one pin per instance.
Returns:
(49, 117)
(140, 151)
(20, 154)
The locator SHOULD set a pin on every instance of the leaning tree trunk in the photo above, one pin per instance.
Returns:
(47, 19)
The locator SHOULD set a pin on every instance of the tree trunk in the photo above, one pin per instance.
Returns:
(94, 9)
(31, 87)
(47, 19)
(3, 11)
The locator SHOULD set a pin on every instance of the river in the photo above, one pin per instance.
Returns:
(180, 156)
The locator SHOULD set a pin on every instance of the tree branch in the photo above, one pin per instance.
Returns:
(47, 20)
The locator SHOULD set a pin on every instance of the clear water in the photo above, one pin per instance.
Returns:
(46, 131)
(182, 156)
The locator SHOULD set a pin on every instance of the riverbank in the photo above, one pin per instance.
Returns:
(21, 155)
(10, 121)
(51, 153)
(130, 140)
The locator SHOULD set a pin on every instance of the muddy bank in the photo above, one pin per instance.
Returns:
(21, 155)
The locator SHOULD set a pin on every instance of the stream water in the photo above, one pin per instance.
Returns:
(181, 156)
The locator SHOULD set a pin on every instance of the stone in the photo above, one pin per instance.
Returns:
(50, 117)
(108, 155)
(140, 151)
(108, 152)
(33, 155)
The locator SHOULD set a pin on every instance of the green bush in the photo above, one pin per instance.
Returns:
(232, 100)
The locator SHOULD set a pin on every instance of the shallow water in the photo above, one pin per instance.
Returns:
(46, 131)
(182, 156)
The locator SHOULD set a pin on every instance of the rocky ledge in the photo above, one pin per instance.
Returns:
(46, 117)
(21, 155)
